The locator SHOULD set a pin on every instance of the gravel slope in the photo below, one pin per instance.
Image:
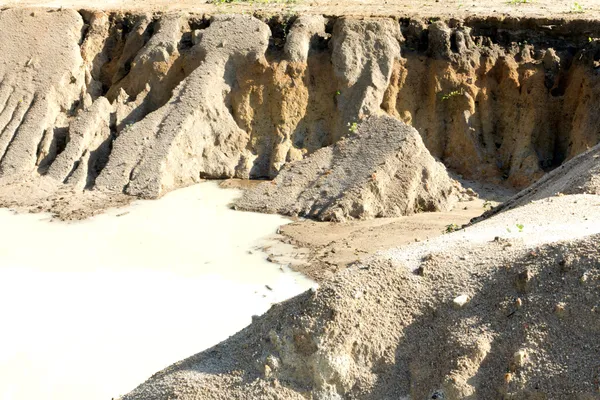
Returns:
(395, 326)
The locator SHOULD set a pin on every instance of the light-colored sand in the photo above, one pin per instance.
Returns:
(425, 8)
(90, 309)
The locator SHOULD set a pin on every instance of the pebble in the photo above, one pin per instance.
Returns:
(520, 358)
(560, 310)
(461, 301)
(268, 371)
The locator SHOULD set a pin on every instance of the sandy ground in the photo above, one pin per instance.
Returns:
(585, 9)
(321, 249)
(81, 303)
(550, 220)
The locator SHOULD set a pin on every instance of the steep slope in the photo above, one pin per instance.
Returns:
(380, 170)
(581, 175)
(41, 81)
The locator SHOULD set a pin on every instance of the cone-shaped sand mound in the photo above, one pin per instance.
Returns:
(381, 169)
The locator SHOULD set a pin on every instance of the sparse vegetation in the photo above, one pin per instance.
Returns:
(577, 8)
(520, 227)
(451, 228)
(487, 205)
(515, 2)
(353, 127)
(218, 2)
(452, 94)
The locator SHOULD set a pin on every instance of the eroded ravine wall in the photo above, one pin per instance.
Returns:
(146, 103)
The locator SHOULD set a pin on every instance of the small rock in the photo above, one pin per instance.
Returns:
(196, 36)
(272, 362)
(438, 395)
(461, 301)
(560, 310)
(520, 358)
(519, 303)
(523, 281)
(268, 371)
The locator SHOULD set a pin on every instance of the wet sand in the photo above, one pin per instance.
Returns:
(93, 308)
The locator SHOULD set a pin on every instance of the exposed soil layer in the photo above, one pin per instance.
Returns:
(143, 103)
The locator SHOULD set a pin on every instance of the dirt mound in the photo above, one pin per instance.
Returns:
(466, 315)
(380, 170)
(580, 175)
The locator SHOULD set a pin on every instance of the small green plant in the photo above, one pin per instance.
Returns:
(352, 127)
(577, 8)
(452, 94)
(337, 93)
(253, 1)
(514, 2)
(451, 228)
(520, 227)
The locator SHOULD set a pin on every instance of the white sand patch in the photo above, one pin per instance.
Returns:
(90, 309)
(540, 222)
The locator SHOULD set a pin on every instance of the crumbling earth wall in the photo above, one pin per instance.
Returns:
(144, 103)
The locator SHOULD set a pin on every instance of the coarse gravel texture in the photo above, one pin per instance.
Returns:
(389, 327)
